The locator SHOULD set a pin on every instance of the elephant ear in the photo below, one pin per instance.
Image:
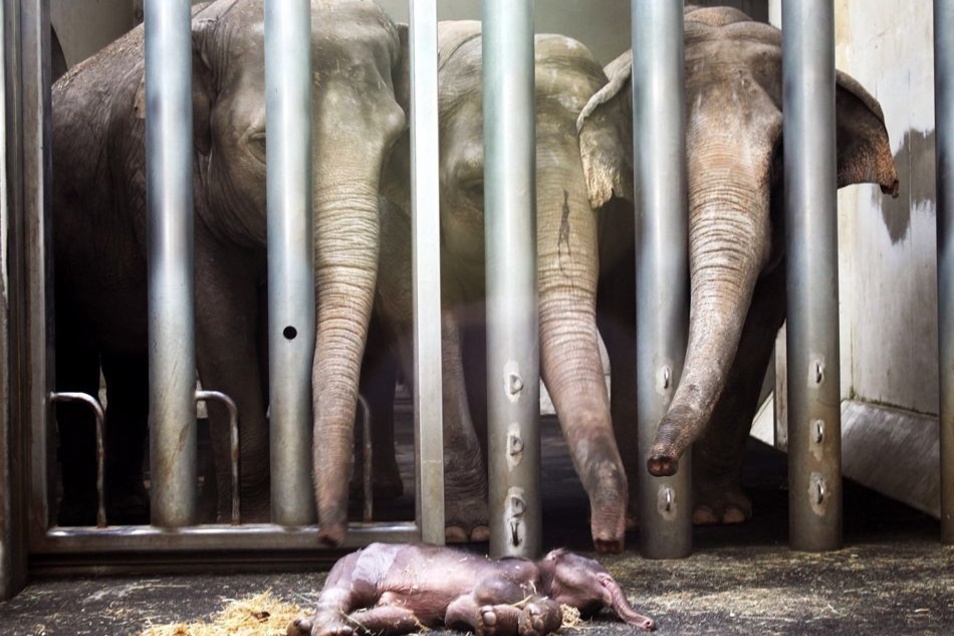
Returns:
(864, 152)
(604, 127)
(202, 91)
(203, 83)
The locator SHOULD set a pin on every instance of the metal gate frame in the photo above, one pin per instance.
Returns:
(25, 517)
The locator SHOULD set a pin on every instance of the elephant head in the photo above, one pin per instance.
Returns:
(733, 71)
(355, 120)
(567, 251)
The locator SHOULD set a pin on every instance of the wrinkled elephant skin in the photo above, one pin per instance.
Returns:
(567, 262)
(736, 245)
(398, 589)
(100, 219)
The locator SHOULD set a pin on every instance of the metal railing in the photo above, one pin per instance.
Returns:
(815, 505)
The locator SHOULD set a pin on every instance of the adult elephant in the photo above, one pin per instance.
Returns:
(736, 245)
(100, 215)
(567, 259)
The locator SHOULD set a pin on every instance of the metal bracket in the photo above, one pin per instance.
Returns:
(94, 404)
(203, 395)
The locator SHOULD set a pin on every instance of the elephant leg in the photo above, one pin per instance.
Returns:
(227, 357)
(465, 474)
(127, 416)
(378, 379)
(616, 318)
(77, 369)
(619, 337)
(718, 455)
(386, 619)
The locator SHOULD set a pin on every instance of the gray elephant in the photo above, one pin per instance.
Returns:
(400, 589)
(100, 219)
(736, 245)
(566, 76)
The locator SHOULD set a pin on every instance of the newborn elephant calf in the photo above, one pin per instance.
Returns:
(397, 589)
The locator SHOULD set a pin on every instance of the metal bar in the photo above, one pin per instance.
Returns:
(12, 540)
(94, 404)
(291, 287)
(233, 445)
(662, 229)
(814, 387)
(425, 228)
(249, 537)
(513, 364)
(33, 126)
(171, 252)
(944, 115)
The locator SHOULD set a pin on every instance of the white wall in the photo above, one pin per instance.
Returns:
(888, 248)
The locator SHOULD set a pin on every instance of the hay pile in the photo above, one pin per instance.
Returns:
(259, 615)
(264, 615)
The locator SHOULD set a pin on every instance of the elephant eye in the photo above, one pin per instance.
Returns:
(256, 143)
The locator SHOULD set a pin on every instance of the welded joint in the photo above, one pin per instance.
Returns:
(818, 494)
(515, 445)
(514, 513)
(816, 372)
(514, 384)
(666, 503)
(218, 396)
(93, 403)
(817, 433)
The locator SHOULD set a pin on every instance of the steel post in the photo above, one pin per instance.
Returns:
(172, 370)
(814, 391)
(513, 365)
(425, 222)
(291, 287)
(662, 274)
(944, 118)
(28, 447)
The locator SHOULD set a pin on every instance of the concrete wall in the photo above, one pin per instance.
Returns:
(888, 246)
(85, 26)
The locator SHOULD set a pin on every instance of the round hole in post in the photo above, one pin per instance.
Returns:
(289, 332)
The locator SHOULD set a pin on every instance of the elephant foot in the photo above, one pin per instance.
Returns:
(720, 506)
(538, 619)
(305, 626)
(466, 519)
(466, 512)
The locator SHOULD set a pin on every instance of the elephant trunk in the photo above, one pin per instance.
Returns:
(729, 245)
(614, 597)
(346, 263)
(571, 366)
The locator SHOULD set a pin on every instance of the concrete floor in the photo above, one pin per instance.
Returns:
(892, 576)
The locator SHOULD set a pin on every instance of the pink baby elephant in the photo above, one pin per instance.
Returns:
(400, 588)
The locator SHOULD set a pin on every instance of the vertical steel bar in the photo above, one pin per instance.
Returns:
(944, 116)
(425, 222)
(172, 414)
(513, 365)
(32, 127)
(814, 391)
(9, 543)
(659, 139)
(291, 288)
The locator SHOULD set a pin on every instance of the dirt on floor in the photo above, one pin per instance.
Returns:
(892, 576)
